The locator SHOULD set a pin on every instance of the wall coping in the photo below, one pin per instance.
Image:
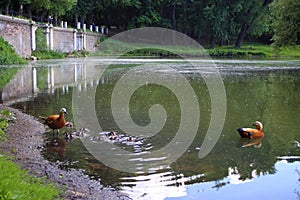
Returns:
(72, 30)
(92, 33)
(16, 19)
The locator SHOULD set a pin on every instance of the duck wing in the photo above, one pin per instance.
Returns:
(246, 132)
(51, 118)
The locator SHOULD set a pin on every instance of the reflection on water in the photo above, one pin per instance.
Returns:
(235, 168)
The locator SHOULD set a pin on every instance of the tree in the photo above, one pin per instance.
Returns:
(286, 22)
(217, 15)
(250, 11)
(59, 8)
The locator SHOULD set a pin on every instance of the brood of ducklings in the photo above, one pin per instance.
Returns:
(76, 134)
(130, 139)
(251, 133)
(56, 121)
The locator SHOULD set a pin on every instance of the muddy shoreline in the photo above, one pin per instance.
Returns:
(24, 143)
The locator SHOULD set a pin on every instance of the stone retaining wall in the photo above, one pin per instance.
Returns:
(20, 33)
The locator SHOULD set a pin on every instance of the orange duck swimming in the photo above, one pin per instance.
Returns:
(56, 121)
(252, 132)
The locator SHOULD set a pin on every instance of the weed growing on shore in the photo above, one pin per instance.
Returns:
(17, 184)
(5, 118)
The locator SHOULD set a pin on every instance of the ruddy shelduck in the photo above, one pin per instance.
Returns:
(57, 121)
(251, 133)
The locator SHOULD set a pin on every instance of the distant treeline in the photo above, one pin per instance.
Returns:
(214, 22)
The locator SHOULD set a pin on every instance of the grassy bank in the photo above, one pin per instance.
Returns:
(248, 50)
(47, 54)
(15, 183)
(8, 55)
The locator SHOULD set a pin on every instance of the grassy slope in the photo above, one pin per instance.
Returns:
(17, 184)
(8, 56)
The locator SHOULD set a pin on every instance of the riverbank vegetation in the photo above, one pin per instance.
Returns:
(15, 183)
(249, 50)
(8, 55)
(223, 26)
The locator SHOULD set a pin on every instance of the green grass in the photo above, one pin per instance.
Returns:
(289, 52)
(47, 54)
(248, 50)
(8, 55)
(17, 184)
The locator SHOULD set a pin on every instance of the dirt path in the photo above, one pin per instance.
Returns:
(24, 143)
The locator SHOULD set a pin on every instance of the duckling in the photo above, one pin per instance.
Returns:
(69, 124)
(251, 132)
(130, 139)
(56, 121)
(68, 136)
(296, 144)
(80, 132)
(112, 135)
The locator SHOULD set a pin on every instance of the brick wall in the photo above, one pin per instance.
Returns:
(20, 34)
(91, 39)
(63, 39)
(17, 32)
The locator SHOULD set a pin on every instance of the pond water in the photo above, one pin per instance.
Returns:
(268, 91)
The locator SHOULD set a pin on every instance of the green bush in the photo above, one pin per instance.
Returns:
(40, 39)
(5, 118)
(8, 55)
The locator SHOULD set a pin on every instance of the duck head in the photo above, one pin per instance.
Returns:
(258, 125)
(63, 110)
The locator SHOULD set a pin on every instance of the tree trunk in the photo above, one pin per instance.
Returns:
(221, 42)
(174, 17)
(76, 18)
(28, 8)
(242, 35)
(82, 20)
(7, 7)
(21, 9)
(212, 42)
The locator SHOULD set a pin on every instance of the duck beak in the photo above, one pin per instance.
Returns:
(66, 113)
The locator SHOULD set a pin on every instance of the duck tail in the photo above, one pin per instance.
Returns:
(243, 133)
(240, 130)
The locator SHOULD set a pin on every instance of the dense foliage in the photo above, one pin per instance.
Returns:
(8, 55)
(286, 22)
(217, 21)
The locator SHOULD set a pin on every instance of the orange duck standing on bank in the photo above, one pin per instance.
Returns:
(57, 121)
(251, 133)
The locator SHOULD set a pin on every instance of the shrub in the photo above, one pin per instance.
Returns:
(44, 54)
(5, 118)
(8, 55)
